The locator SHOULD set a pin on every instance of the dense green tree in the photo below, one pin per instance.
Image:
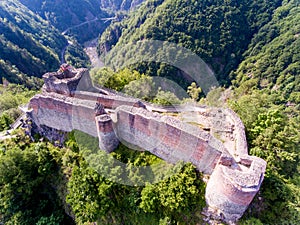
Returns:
(194, 91)
(12, 96)
(106, 77)
(182, 192)
(165, 98)
(89, 194)
(217, 31)
(143, 88)
(5, 121)
(27, 175)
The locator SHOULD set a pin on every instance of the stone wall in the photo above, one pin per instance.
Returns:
(212, 139)
(108, 101)
(221, 123)
(63, 113)
(167, 137)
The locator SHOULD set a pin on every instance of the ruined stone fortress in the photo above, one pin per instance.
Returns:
(213, 139)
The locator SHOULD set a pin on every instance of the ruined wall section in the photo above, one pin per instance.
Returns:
(109, 101)
(63, 113)
(233, 182)
(239, 135)
(231, 189)
(223, 124)
(168, 138)
(67, 82)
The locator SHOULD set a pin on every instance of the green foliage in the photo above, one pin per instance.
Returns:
(194, 91)
(251, 221)
(165, 98)
(216, 97)
(5, 121)
(29, 46)
(11, 97)
(276, 140)
(97, 192)
(143, 88)
(134, 84)
(116, 81)
(273, 56)
(27, 175)
(219, 32)
(183, 192)
(76, 56)
(89, 194)
(51, 220)
(68, 14)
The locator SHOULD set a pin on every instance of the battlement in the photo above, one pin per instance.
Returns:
(213, 139)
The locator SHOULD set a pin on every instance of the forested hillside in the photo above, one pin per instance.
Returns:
(115, 5)
(255, 46)
(272, 60)
(31, 42)
(266, 95)
(219, 32)
(67, 15)
(29, 45)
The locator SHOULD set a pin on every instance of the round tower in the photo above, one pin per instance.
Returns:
(108, 140)
(232, 187)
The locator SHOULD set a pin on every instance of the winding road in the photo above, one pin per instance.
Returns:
(79, 25)
(63, 51)
(62, 55)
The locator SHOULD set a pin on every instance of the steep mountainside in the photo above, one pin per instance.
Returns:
(120, 4)
(63, 14)
(71, 16)
(266, 94)
(273, 57)
(219, 32)
(29, 45)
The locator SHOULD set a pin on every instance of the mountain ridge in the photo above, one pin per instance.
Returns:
(220, 44)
